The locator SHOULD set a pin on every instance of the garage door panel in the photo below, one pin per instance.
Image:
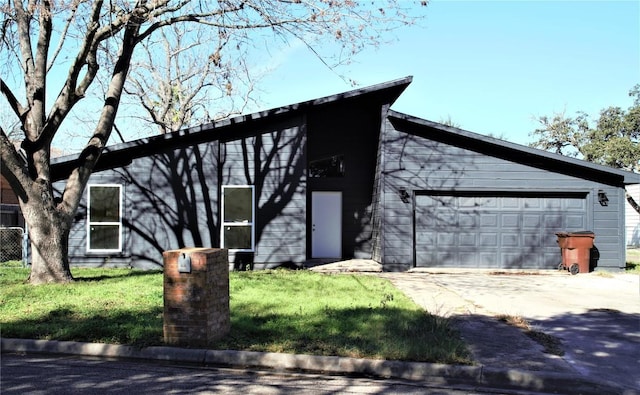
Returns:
(468, 239)
(531, 239)
(489, 220)
(495, 231)
(488, 259)
(446, 239)
(424, 220)
(529, 204)
(510, 220)
(510, 203)
(467, 202)
(531, 221)
(520, 260)
(488, 240)
(510, 240)
(445, 258)
(553, 221)
(468, 221)
(575, 204)
(445, 218)
(511, 260)
(575, 221)
(553, 204)
(467, 259)
(554, 258)
(425, 238)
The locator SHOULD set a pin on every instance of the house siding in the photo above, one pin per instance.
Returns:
(377, 215)
(417, 163)
(170, 202)
(352, 131)
(632, 218)
(274, 162)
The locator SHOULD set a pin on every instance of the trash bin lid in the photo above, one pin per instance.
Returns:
(582, 233)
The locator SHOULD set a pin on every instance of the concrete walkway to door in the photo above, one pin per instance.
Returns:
(596, 317)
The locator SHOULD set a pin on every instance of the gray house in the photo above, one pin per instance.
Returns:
(344, 177)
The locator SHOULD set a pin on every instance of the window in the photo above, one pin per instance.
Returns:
(238, 218)
(327, 167)
(104, 220)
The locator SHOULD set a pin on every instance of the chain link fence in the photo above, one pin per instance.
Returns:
(11, 243)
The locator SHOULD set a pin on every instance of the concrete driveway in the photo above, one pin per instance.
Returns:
(596, 317)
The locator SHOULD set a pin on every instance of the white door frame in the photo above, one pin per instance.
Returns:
(326, 224)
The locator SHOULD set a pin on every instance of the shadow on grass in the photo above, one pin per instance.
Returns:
(383, 332)
(377, 332)
(87, 277)
(138, 328)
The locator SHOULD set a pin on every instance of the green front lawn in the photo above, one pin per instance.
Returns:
(273, 310)
(633, 260)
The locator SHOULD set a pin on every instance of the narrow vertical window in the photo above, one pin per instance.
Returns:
(104, 219)
(238, 218)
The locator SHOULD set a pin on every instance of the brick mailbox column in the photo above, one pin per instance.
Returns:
(196, 296)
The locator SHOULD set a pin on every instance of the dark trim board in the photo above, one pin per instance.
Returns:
(502, 193)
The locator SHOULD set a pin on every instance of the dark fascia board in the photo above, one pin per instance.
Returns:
(512, 151)
(122, 154)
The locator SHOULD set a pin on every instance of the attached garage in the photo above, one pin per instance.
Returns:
(456, 199)
(493, 229)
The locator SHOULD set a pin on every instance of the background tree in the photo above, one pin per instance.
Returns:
(64, 45)
(613, 140)
(178, 84)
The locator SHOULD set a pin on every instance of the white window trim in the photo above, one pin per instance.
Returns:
(90, 223)
(252, 223)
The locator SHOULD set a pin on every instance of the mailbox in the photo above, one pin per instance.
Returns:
(184, 263)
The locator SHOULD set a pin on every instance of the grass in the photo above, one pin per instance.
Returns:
(633, 260)
(277, 311)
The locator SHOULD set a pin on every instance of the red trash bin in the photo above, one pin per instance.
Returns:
(575, 248)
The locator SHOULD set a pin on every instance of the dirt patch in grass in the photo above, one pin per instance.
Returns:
(518, 273)
(551, 344)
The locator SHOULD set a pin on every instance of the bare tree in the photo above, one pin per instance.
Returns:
(38, 38)
(184, 75)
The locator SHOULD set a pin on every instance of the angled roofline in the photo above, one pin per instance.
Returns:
(127, 151)
(529, 155)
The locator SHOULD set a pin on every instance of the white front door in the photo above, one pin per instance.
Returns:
(326, 224)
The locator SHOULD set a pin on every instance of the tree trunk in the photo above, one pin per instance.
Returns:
(49, 237)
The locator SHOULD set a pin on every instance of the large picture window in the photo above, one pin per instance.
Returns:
(238, 218)
(104, 219)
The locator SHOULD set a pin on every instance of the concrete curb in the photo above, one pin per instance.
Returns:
(548, 382)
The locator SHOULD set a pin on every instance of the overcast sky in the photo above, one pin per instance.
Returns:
(490, 66)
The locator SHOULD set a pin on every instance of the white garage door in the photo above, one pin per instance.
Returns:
(507, 232)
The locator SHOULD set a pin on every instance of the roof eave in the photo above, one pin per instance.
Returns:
(61, 166)
(626, 177)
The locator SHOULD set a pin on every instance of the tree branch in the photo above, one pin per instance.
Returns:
(13, 167)
(632, 201)
(15, 105)
(91, 153)
(63, 34)
(72, 92)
